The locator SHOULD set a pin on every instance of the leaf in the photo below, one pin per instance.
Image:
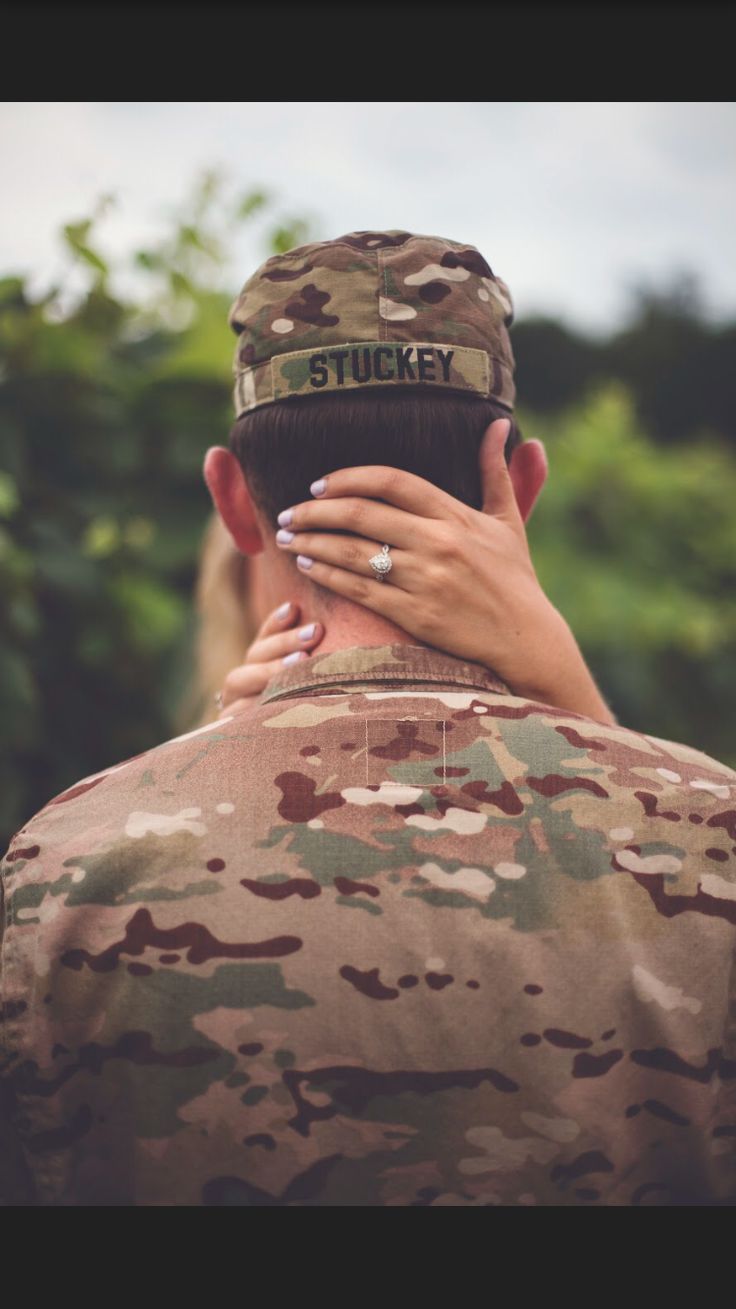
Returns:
(250, 203)
(9, 498)
(101, 538)
(152, 612)
(148, 259)
(288, 235)
(75, 235)
(12, 292)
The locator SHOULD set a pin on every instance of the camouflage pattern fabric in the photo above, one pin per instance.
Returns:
(373, 309)
(391, 936)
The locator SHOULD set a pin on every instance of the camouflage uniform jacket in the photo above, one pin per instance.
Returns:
(390, 936)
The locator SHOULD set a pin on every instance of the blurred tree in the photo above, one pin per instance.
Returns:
(106, 409)
(555, 366)
(107, 406)
(676, 363)
(636, 545)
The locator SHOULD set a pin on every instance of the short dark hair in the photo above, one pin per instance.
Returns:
(283, 447)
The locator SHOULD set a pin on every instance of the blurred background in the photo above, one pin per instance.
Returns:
(126, 232)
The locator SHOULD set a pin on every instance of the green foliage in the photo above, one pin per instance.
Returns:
(677, 364)
(106, 409)
(635, 543)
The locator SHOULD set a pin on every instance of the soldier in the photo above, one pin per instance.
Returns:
(419, 923)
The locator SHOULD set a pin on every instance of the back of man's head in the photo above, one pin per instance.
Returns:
(375, 348)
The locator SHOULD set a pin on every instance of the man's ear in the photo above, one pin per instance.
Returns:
(528, 468)
(231, 498)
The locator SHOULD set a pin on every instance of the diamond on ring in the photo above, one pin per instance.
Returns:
(381, 563)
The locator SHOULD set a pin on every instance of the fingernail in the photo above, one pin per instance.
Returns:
(285, 517)
(284, 537)
(304, 561)
(293, 657)
(306, 633)
(318, 487)
(283, 610)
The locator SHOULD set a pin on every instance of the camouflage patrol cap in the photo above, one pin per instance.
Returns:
(373, 309)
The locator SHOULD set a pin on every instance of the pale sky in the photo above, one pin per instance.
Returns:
(570, 203)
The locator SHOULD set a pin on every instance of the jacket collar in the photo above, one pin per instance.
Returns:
(360, 667)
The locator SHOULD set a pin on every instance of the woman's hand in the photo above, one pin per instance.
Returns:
(462, 580)
(278, 643)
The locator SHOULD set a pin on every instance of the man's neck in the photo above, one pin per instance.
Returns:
(345, 623)
(349, 625)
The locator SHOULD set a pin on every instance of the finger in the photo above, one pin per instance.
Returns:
(496, 485)
(367, 518)
(277, 620)
(381, 597)
(350, 552)
(243, 681)
(283, 643)
(397, 487)
(248, 680)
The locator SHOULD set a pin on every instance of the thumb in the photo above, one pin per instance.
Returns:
(496, 486)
